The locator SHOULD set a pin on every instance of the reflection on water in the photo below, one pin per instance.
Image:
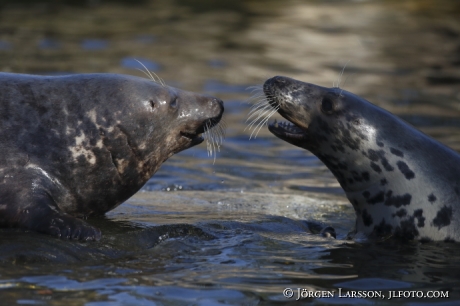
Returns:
(233, 232)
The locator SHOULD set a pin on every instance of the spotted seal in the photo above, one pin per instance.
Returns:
(400, 182)
(79, 145)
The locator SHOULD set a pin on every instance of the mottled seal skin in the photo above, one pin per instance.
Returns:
(400, 182)
(79, 145)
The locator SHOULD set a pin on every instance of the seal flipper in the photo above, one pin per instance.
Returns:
(35, 208)
(38, 214)
(318, 228)
(64, 226)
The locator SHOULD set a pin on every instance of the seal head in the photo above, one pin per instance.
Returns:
(400, 181)
(80, 145)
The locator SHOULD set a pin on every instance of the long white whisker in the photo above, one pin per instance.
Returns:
(146, 74)
(262, 122)
(261, 110)
(149, 74)
(256, 94)
(344, 82)
(257, 115)
(259, 106)
(159, 79)
(257, 109)
(214, 138)
(341, 74)
(261, 113)
(255, 88)
(147, 71)
(214, 146)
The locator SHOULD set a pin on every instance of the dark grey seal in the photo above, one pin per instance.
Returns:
(400, 182)
(80, 145)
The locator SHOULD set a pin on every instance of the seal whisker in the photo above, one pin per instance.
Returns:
(256, 93)
(257, 109)
(263, 122)
(211, 142)
(260, 113)
(339, 78)
(344, 82)
(341, 74)
(215, 145)
(149, 73)
(217, 131)
(261, 110)
(206, 135)
(146, 71)
(255, 89)
(214, 137)
(258, 102)
(220, 130)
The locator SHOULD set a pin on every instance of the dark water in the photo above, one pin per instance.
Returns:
(233, 232)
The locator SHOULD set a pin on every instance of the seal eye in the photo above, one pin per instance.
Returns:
(152, 104)
(327, 106)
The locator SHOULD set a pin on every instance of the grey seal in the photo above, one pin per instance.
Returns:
(79, 145)
(400, 182)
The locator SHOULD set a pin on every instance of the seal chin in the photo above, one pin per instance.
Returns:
(194, 136)
(288, 131)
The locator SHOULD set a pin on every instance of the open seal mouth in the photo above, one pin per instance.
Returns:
(213, 130)
(191, 135)
(287, 130)
(197, 133)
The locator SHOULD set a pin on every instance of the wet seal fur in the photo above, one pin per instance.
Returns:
(80, 145)
(400, 182)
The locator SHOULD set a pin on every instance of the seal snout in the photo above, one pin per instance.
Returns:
(219, 104)
(273, 86)
(276, 82)
(210, 111)
(214, 113)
